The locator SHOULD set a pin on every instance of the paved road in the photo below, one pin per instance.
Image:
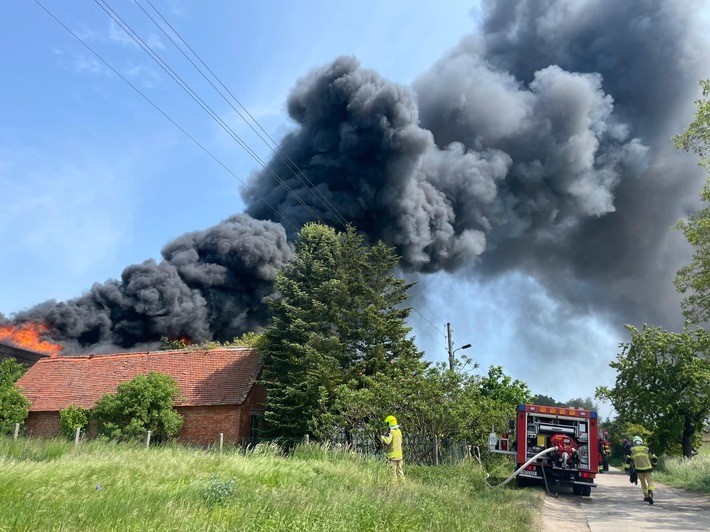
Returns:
(617, 505)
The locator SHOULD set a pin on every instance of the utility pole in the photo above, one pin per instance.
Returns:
(451, 347)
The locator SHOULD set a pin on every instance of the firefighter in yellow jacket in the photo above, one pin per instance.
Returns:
(643, 461)
(393, 446)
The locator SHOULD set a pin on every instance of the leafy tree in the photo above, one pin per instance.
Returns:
(248, 339)
(694, 280)
(14, 406)
(663, 383)
(166, 344)
(503, 389)
(586, 404)
(339, 319)
(144, 403)
(545, 400)
(71, 418)
(427, 401)
(10, 371)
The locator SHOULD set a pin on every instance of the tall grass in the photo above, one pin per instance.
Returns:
(104, 486)
(691, 473)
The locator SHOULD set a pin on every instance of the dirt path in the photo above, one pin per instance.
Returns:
(617, 505)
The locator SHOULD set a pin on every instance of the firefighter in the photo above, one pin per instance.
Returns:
(626, 449)
(393, 446)
(602, 455)
(643, 461)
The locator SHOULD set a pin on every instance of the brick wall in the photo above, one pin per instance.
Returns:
(42, 424)
(202, 423)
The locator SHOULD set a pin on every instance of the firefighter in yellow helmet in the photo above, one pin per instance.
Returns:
(393, 446)
(643, 461)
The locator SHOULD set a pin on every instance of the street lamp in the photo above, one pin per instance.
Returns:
(451, 355)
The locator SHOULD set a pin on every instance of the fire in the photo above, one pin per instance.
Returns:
(28, 336)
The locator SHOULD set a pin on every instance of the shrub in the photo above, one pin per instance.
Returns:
(10, 371)
(145, 403)
(71, 418)
(14, 408)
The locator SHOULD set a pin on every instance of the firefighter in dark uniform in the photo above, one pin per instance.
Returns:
(626, 447)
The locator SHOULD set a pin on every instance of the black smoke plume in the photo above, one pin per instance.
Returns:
(209, 285)
(539, 144)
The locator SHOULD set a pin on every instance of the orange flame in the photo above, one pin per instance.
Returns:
(27, 336)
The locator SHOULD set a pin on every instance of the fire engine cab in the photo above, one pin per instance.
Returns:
(554, 445)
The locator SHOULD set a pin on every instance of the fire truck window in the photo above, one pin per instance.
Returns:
(582, 427)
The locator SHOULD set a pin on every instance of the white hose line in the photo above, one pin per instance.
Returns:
(526, 464)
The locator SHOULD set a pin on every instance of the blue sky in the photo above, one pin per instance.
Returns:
(94, 179)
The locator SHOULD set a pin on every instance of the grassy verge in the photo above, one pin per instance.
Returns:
(104, 486)
(686, 473)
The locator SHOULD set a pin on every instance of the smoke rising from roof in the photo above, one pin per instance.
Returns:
(209, 285)
(540, 144)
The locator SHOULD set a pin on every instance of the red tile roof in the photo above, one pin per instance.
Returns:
(206, 377)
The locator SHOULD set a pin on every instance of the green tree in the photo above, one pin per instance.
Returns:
(10, 371)
(545, 400)
(503, 389)
(14, 406)
(338, 320)
(427, 400)
(579, 402)
(663, 384)
(71, 418)
(693, 280)
(144, 403)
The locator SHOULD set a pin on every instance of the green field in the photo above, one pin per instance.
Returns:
(105, 486)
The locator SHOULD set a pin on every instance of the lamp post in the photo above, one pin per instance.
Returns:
(451, 356)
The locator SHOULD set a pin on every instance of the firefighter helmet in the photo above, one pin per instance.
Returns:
(391, 421)
(637, 440)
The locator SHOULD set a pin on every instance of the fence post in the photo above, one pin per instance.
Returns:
(17, 431)
(77, 432)
(436, 450)
(147, 439)
(221, 441)
(306, 439)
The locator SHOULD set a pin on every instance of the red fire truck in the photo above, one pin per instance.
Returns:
(554, 445)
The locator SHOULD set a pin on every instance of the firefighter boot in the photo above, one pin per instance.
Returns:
(650, 497)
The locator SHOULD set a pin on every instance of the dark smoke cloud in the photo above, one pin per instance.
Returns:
(647, 57)
(209, 285)
(541, 144)
(538, 145)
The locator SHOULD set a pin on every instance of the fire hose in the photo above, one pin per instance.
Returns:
(526, 464)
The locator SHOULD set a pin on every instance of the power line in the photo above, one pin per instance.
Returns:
(205, 107)
(137, 39)
(313, 189)
(155, 106)
(288, 162)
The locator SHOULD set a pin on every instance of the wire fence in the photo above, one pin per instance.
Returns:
(417, 449)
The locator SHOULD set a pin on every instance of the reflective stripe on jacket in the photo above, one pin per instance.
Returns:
(641, 458)
(393, 441)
